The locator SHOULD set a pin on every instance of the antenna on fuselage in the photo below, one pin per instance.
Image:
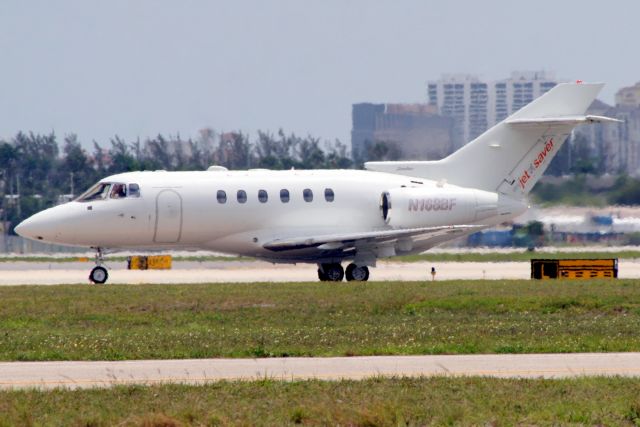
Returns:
(216, 168)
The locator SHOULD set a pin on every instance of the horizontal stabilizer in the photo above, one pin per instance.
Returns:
(567, 120)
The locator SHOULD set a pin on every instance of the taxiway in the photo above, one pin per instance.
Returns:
(53, 273)
(78, 374)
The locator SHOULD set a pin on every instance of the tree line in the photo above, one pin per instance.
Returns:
(38, 171)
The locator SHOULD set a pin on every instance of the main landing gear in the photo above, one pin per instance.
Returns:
(357, 273)
(99, 273)
(334, 273)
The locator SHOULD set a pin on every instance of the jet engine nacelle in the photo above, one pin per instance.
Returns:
(415, 207)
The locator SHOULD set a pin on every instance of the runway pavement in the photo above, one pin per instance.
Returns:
(51, 273)
(199, 371)
(47, 273)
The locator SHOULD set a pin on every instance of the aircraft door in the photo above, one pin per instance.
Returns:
(168, 217)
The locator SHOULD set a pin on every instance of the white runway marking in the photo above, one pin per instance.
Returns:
(18, 273)
(199, 371)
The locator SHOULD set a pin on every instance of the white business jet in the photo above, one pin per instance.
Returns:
(325, 217)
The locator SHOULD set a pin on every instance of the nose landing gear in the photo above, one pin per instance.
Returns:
(99, 274)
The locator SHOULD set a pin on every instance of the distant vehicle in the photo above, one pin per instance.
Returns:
(325, 217)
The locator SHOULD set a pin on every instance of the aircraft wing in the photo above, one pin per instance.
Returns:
(343, 240)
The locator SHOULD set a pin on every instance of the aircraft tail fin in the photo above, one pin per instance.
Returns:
(511, 156)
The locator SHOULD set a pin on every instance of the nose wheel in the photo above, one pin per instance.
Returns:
(99, 274)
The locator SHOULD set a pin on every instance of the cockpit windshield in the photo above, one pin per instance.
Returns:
(97, 192)
(112, 190)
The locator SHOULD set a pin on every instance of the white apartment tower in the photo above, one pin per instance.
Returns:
(475, 105)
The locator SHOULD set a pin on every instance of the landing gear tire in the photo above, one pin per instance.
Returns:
(331, 272)
(356, 273)
(98, 275)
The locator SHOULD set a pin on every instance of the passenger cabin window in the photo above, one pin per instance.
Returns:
(134, 190)
(308, 195)
(263, 196)
(284, 195)
(118, 191)
(97, 192)
(328, 194)
(222, 196)
(242, 196)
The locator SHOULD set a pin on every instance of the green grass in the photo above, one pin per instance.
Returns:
(317, 319)
(373, 402)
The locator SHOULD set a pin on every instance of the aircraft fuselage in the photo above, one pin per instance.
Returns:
(239, 211)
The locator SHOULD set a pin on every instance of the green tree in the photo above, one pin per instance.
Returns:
(7, 164)
(310, 154)
(382, 151)
(76, 166)
(121, 159)
(159, 153)
(36, 162)
(337, 157)
(626, 191)
(234, 151)
(99, 160)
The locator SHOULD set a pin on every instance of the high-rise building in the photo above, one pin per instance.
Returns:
(629, 96)
(465, 99)
(614, 147)
(617, 145)
(411, 131)
(475, 104)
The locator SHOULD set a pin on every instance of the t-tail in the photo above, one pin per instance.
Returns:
(511, 157)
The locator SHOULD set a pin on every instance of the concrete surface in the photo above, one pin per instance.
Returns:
(50, 273)
(199, 371)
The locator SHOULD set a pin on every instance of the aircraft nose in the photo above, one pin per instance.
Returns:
(53, 225)
(29, 228)
(20, 229)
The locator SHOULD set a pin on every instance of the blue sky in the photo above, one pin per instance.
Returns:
(137, 68)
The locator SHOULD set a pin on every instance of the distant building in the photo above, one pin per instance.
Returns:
(616, 146)
(475, 104)
(465, 99)
(629, 96)
(414, 131)
(461, 107)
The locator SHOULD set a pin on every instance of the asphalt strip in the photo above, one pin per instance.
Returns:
(88, 374)
(33, 273)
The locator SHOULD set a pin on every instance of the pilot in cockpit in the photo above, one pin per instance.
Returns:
(118, 191)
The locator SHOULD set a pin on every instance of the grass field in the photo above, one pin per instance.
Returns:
(317, 319)
(374, 402)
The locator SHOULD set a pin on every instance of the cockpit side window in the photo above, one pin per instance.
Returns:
(134, 190)
(97, 192)
(118, 191)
